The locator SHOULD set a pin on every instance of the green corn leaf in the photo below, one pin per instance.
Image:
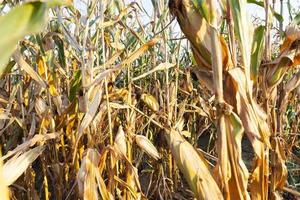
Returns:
(242, 29)
(26, 19)
(257, 51)
(23, 20)
(201, 6)
(296, 19)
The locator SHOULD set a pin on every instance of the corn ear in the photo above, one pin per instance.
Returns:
(194, 167)
(145, 144)
(150, 101)
(120, 142)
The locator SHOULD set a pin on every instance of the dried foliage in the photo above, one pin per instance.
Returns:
(98, 102)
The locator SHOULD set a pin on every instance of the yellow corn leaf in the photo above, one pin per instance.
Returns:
(141, 50)
(186, 134)
(52, 88)
(41, 68)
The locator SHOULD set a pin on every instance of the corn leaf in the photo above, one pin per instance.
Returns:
(23, 20)
(17, 165)
(257, 52)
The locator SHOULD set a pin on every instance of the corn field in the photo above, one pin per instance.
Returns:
(111, 99)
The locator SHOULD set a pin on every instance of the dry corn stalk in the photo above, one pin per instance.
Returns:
(201, 32)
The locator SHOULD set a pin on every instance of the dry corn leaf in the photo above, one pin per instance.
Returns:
(17, 165)
(132, 57)
(160, 67)
(4, 191)
(127, 186)
(102, 187)
(18, 57)
(194, 25)
(255, 124)
(252, 116)
(291, 85)
(25, 145)
(86, 177)
(289, 57)
(40, 106)
(292, 33)
(279, 169)
(145, 144)
(239, 174)
(91, 112)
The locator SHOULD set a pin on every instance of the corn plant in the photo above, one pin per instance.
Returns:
(106, 100)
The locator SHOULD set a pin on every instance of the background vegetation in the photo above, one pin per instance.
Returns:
(199, 102)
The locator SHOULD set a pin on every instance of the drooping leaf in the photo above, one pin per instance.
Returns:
(19, 58)
(197, 30)
(16, 166)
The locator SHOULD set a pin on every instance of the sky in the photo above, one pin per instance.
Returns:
(253, 11)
